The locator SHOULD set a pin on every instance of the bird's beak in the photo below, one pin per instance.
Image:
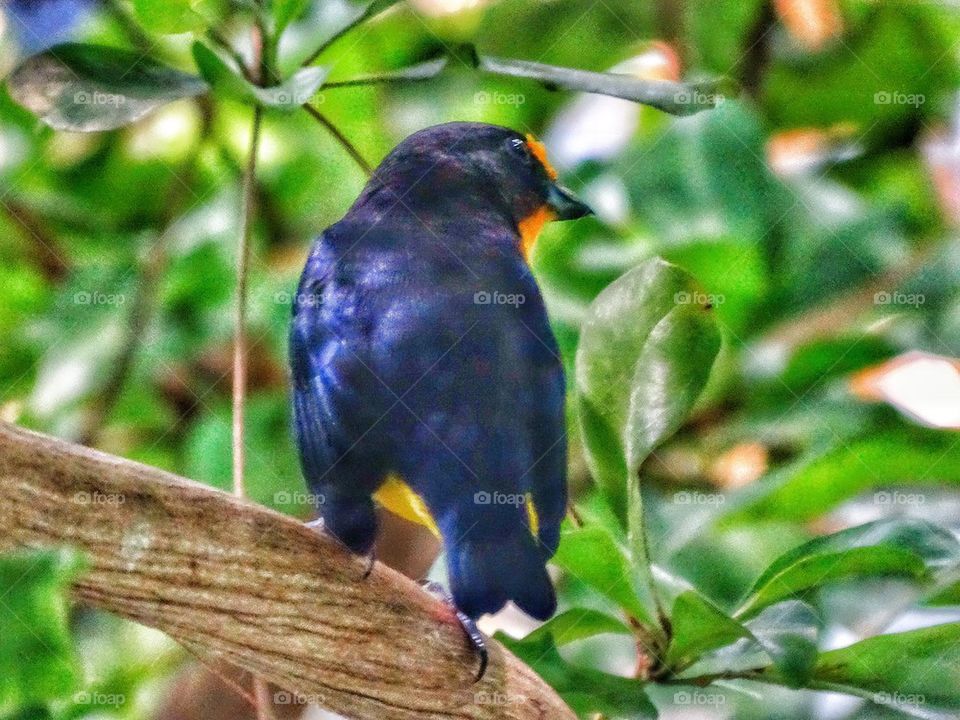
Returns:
(565, 204)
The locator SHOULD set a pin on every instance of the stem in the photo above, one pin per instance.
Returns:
(341, 138)
(145, 301)
(140, 315)
(240, 316)
(129, 26)
(365, 15)
(222, 42)
(44, 246)
(640, 544)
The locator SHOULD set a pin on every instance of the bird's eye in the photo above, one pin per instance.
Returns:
(519, 148)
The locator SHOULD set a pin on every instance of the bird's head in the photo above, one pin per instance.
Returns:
(468, 166)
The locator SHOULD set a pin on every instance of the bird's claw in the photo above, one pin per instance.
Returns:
(318, 525)
(477, 641)
(371, 561)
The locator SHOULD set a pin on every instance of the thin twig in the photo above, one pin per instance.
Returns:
(44, 246)
(240, 316)
(368, 12)
(145, 300)
(235, 55)
(341, 138)
(130, 27)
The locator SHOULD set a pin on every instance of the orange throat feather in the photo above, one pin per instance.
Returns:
(531, 226)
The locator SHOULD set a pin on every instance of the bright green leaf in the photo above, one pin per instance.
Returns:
(788, 633)
(645, 353)
(89, 88)
(168, 16)
(297, 90)
(876, 462)
(584, 690)
(918, 667)
(286, 11)
(578, 624)
(699, 627)
(592, 556)
(37, 661)
(783, 635)
(884, 548)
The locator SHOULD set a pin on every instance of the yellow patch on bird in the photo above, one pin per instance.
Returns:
(531, 226)
(400, 499)
(532, 516)
(539, 151)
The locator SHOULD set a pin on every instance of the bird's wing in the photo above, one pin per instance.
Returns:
(336, 405)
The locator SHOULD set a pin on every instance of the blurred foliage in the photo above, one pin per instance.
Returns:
(775, 253)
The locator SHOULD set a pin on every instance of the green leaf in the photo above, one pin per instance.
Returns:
(883, 548)
(37, 661)
(593, 556)
(426, 70)
(297, 90)
(874, 462)
(286, 11)
(783, 635)
(577, 624)
(169, 16)
(945, 596)
(699, 627)
(672, 97)
(584, 690)
(788, 633)
(920, 665)
(89, 88)
(645, 353)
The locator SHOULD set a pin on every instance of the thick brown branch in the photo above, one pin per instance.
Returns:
(238, 582)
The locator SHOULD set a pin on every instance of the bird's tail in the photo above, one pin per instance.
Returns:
(486, 573)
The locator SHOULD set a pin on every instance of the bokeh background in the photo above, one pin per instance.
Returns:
(817, 206)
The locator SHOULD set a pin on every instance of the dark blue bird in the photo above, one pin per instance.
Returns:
(425, 373)
(40, 24)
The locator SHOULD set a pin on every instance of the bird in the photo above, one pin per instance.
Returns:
(425, 375)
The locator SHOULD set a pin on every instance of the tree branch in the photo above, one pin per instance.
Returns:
(340, 138)
(234, 581)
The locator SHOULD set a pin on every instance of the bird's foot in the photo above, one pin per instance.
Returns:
(477, 640)
(371, 558)
(371, 561)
